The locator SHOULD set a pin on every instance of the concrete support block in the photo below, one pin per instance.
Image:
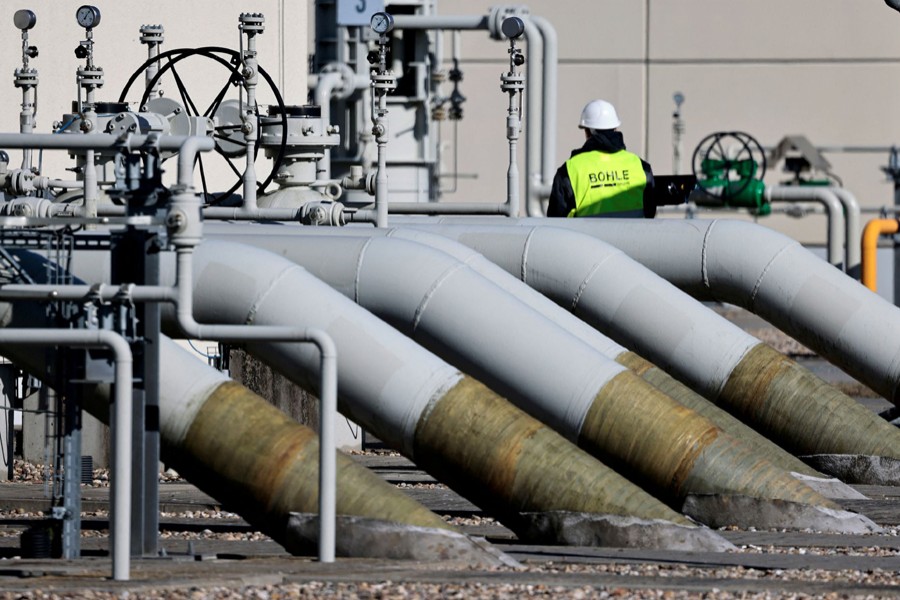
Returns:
(590, 529)
(719, 510)
(857, 468)
(359, 537)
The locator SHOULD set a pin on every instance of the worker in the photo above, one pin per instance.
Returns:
(602, 179)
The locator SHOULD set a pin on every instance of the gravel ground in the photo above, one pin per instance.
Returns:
(614, 580)
(389, 590)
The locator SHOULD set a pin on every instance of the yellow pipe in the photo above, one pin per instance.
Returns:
(871, 233)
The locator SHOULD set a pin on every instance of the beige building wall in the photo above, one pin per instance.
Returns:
(827, 69)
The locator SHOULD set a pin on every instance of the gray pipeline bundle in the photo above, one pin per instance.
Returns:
(457, 313)
(603, 286)
(447, 423)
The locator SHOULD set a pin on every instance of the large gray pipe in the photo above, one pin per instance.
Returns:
(457, 313)
(268, 237)
(606, 288)
(775, 277)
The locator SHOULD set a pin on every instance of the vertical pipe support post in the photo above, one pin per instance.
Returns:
(152, 36)
(26, 77)
(250, 24)
(383, 82)
(513, 83)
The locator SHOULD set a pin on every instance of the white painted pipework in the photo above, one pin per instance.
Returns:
(540, 141)
(853, 235)
(547, 141)
(833, 208)
(120, 486)
(326, 85)
(773, 276)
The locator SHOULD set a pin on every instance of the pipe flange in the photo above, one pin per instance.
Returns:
(500, 13)
(152, 34)
(347, 87)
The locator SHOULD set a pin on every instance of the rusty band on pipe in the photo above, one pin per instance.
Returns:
(676, 451)
(508, 462)
(241, 448)
(801, 412)
(729, 424)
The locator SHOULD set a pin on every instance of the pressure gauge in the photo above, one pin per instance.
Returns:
(24, 19)
(513, 27)
(88, 16)
(382, 23)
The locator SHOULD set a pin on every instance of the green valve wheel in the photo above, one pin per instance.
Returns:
(729, 166)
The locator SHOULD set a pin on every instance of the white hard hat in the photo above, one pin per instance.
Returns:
(599, 114)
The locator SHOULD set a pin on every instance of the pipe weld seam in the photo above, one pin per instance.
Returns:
(432, 290)
(704, 270)
(525, 248)
(359, 262)
(273, 283)
(762, 275)
(583, 285)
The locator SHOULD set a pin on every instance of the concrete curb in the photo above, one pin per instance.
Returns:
(831, 488)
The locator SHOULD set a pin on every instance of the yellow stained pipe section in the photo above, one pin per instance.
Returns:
(803, 413)
(638, 430)
(245, 452)
(873, 230)
(731, 425)
(508, 462)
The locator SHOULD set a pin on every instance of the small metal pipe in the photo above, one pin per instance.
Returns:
(549, 114)
(534, 73)
(120, 492)
(326, 84)
(871, 233)
(91, 191)
(852, 235)
(832, 205)
(445, 22)
(257, 214)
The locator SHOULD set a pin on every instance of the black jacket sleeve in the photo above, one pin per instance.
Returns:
(562, 197)
(649, 202)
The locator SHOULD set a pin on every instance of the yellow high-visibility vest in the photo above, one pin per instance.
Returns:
(606, 183)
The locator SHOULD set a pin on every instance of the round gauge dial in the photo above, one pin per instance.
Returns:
(88, 16)
(24, 19)
(382, 23)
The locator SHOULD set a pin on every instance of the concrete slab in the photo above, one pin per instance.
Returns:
(857, 468)
(832, 488)
(589, 529)
(358, 537)
(745, 512)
